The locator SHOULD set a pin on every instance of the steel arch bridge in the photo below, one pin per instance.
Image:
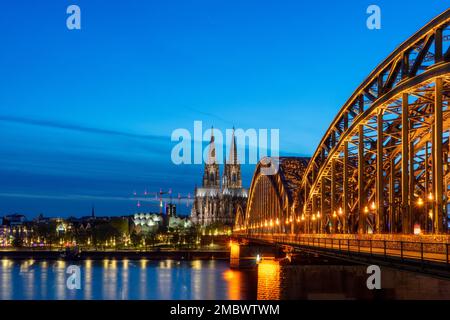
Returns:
(383, 164)
(273, 199)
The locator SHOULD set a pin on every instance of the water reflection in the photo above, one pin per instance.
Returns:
(44, 277)
(143, 278)
(87, 284)
(28, 279)
(59, 274)
(109, 280)
(269, 280)
(234, 280)
(196, 279)
(164, 279)
(124, 279)
(279, 281)
(170, 279)
(6, 287)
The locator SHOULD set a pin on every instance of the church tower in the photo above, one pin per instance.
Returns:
(211, 175)
(232, 171)
(217, 202)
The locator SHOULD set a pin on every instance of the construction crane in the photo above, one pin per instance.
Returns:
(161, 193)
(146, 194)
(158, 196)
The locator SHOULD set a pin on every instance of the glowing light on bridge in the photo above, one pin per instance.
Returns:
(417, 229)
(420, 202)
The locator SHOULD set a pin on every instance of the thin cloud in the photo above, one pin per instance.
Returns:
(76, 127)
(93, 198)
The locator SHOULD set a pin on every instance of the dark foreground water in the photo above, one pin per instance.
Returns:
(168, 279)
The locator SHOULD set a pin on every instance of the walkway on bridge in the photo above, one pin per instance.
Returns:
(436, 252)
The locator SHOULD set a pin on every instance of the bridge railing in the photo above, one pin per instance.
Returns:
(415, 250)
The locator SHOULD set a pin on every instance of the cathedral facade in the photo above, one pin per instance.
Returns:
(218, 200)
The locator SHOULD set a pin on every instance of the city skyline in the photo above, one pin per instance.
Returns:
(89, 121)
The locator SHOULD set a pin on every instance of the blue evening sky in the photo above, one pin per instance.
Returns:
(86, 115)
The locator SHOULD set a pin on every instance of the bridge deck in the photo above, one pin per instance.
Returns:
(415, 250)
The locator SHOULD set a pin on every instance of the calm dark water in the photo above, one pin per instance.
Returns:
(345, 282)
(172, 280)
(123, 279)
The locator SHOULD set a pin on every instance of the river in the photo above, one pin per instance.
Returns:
(117, 279)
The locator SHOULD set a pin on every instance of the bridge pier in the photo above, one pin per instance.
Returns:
(245, 254)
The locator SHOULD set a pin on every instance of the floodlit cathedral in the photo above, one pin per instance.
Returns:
(217, 201)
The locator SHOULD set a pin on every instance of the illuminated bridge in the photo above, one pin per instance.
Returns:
(378, 182)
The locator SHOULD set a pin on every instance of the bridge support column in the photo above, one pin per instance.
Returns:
(425, 225)
(361, 193)
(333, 195)
(392, 221)
(244, 255)
(345, 188)
(437, 159)
(412, 184)
(405, 168)
(305, 222)
(321, 218)
(313, 212)
(379, 219)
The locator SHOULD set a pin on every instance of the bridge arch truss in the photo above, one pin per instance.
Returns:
(383, 164)
(272, 200)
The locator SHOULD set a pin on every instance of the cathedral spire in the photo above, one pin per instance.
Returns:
(212, 149)
(232, 159)
(232, 171)
(211, 176)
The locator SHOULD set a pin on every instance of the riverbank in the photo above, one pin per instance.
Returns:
(122, 254)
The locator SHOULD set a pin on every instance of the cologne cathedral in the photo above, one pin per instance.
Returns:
(218, 200)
